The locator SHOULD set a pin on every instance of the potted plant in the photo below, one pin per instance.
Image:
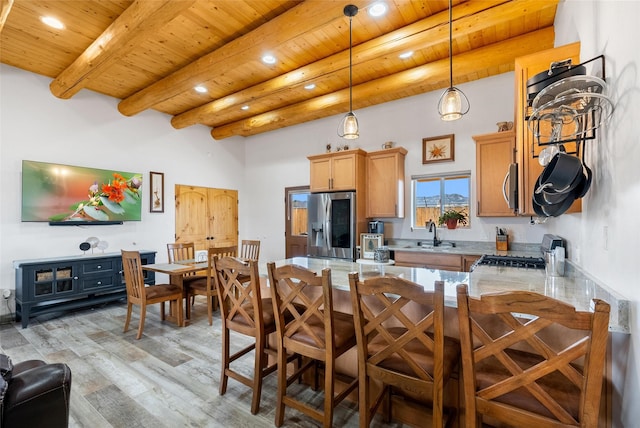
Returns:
(451, 218)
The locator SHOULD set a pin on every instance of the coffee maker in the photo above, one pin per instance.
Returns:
(376, 227)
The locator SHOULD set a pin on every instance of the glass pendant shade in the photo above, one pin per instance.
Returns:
(450, 105)
(349, 127)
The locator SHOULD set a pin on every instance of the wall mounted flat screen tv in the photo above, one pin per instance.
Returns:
(74, 195)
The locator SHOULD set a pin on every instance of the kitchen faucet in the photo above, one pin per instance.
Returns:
(431, 227)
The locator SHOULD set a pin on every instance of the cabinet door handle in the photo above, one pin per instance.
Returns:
(99, 282)
(75, 277)
(99, 266)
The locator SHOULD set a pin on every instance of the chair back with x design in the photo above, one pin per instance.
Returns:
(530, 360)
(401, 344)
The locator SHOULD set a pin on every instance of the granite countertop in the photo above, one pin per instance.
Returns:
(463, 247)
(575, 288)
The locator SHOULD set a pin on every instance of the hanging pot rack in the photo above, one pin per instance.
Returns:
(569, 110)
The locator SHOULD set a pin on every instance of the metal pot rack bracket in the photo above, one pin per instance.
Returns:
(568, 111)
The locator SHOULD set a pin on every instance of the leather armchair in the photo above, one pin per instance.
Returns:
(34, 394)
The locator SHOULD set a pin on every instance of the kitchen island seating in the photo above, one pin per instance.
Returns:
(402, 346)
(138, 294)
(315, 331)
(205, 285)
(243, 310)
(250, 249)
(515, 372)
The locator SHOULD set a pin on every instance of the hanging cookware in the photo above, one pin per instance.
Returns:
(554, 210)
(557, 70)
(561, 175)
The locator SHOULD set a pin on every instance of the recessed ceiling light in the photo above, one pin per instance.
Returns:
(269, 59)
(310, 86)
(200, 89)
(245, 107)
(377, 9)
(406, 55)
(52, 22)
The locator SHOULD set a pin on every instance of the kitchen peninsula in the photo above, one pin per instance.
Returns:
(575, 288)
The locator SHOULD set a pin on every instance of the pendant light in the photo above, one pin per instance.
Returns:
(348, 128)
(453, 102)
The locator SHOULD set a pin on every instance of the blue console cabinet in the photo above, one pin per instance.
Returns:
(65, 283)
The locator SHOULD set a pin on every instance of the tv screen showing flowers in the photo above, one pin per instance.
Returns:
(65, 193)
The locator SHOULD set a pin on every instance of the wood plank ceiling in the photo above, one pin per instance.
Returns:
(151, 54)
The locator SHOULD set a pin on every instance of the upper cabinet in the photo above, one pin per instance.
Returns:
(494, 154)
(385, 183)
(338, 171)
(529, 168)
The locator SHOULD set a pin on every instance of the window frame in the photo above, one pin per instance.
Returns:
(441, 177)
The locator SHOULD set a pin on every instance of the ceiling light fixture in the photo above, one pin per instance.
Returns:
(52, 22)
(406, 55)
(378, 9)
(348, 128)
(269, 59)
(245, 107)
(453, 102)
(201, 89)
(310, 86)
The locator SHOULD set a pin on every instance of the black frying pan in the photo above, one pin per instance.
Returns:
(557, 70)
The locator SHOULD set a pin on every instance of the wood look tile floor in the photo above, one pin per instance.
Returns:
(168, 378)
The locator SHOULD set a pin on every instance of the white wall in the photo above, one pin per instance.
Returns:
(607, 233)
(87, 130)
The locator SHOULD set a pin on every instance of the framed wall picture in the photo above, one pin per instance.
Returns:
(368, 244)
(438, 149)
(156, 181)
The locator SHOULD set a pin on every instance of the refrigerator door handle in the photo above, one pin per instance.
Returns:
(327, 224)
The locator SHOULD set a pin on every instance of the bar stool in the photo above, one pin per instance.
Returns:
(401, 344)
(315, 332)
(531, 361)
(205, 285)
(244, 311)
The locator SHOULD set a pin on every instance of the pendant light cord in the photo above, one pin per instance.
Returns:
(450, 45)
(350, 64)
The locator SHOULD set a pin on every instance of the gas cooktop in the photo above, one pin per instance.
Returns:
(510, 261)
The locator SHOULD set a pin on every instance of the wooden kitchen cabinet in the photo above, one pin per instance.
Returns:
(451, 262)
(337, 171)
(385, 183)
(207, 217)
(434, 260)
(468, 260)
(494, 154)
(529, 168)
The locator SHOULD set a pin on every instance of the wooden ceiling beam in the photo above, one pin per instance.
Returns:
(428, 31)
(427, 78)
(6, 8)
(293, 23)
(136, 24)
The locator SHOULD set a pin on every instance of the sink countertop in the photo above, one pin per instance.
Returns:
(464, 247)
(575, 288)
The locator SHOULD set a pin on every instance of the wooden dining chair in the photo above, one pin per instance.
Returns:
(250, 249)
(179, 251)
(205, 285)
(138, 294)
(531, 361)
(244, 311)
(315, 331)
(402, 347)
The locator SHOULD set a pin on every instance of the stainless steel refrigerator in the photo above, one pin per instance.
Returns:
(332, 225)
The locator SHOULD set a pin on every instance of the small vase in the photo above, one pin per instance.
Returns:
(452, 223)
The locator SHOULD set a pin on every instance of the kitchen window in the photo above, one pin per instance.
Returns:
(432, 195)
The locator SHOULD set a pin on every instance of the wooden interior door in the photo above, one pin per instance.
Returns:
(223, 217)
(296, 227)
(205, 216)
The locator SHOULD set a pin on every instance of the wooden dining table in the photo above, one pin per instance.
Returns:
(176, 272)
